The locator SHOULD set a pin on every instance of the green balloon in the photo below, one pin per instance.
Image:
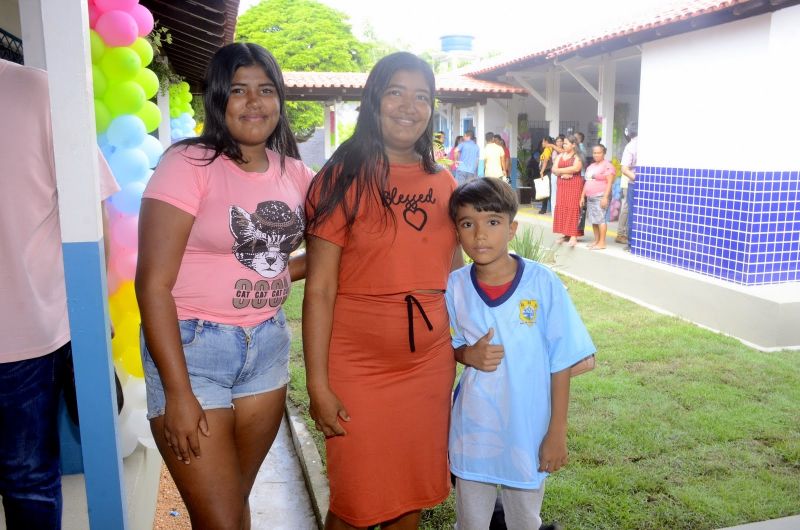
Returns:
(148, 80)
(144, 50)
(150, 114)
(124, 98)
(97, 45)
(99, 81)
(120, 64)
(102, 116)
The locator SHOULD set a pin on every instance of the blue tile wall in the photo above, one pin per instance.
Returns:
(740, 226)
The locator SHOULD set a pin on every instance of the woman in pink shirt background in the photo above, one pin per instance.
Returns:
(219, 219)
(597, 193)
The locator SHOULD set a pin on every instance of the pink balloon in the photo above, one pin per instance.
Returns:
(117, 28)
(143, 18)
(94, 14)
(119, 5)
(123, 262)
(113, 281)
(125, 231)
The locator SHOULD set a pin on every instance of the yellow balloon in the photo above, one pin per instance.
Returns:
(144, 50)
(150, 115)
(148, 80)
(132, 361)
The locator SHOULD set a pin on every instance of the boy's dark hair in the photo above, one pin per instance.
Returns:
(485, 194)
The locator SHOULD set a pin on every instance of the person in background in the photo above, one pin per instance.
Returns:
(379, 364)
(219, 219)
(628, 163)
(494, 159)
(439, 152)
(506, 153)
(586, 155)
(597, 194)
(545, 165)
(36, 352)
(517, 333)
(569, 189)
(466, 158)
(452, 155)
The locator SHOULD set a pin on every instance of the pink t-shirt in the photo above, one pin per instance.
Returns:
(597, 176)
(235, 267)
(33, 299)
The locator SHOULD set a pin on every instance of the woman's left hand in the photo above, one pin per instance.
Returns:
(604, 203)
(553, 454)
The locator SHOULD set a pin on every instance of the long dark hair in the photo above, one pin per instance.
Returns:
(361, 160)
(216, 90)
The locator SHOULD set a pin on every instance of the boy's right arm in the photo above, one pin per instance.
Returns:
(482, 355)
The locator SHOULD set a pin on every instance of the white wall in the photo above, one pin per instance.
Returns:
(498, 120)
(703, 95)
(783, 106)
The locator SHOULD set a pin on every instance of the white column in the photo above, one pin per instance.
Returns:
(552, 112)
(480, 122)
(164, 128)
(329, 123)
(512, 116)
(605, 105)
(65, 33)
(480, 131)
(30, 14)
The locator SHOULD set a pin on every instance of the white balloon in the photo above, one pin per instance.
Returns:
(127, 437)
(135, 394)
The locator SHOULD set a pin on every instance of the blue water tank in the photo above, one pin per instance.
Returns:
(456, 43)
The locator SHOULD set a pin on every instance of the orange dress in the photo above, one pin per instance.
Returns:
(390, 359)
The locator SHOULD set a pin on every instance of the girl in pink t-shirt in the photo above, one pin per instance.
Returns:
(219, 220)
(597, 193)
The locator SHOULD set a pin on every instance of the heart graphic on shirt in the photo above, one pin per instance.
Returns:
(416, 217)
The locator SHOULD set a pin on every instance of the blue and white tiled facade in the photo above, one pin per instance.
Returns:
(740, 226)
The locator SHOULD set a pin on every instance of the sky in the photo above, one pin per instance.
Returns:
(509, 27)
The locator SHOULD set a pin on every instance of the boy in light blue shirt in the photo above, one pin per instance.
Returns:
(516, 330)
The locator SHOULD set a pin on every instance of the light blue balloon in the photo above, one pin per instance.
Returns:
(128, 165)
(107, 150)
(152, 147)
(129, 198)
(126, 131)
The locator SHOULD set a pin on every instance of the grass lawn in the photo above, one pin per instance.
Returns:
(677, 427)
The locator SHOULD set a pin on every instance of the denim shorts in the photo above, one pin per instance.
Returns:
(225, 362)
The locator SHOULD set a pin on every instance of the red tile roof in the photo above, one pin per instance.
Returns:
(350, 82)
(676, 12)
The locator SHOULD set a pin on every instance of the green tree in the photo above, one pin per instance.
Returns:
(304, 36)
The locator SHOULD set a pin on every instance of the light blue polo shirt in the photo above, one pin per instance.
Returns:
(468, 152)
(500, 418)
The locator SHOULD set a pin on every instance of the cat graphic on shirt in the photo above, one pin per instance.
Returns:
(264, 239)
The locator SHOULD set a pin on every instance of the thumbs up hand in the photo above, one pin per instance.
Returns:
(483, 355)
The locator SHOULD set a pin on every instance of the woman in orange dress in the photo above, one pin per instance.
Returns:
(379, 363)
(569, 190)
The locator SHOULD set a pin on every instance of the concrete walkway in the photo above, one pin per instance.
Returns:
(280, 500)
(785, 523)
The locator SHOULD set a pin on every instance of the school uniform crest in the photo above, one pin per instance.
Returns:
(527, 311)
